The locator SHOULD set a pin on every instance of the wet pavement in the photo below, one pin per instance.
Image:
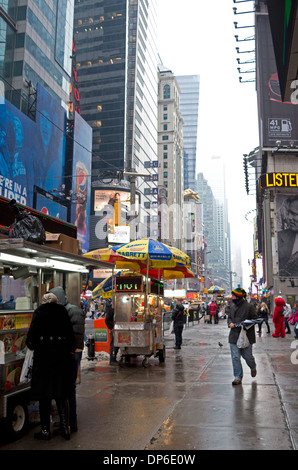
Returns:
(187, 403)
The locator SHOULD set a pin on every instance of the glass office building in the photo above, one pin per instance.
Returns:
(35, 47)
(189, 105)
(116, 61)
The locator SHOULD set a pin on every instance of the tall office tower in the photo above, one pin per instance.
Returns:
(214, 254)
(216, 180)
(189, 104)
(35, 47)
(170, 156)
(116, 57)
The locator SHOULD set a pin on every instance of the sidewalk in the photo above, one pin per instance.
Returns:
(260, 414)
(188, 402)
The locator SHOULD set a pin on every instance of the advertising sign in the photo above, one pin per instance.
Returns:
(284, 180)
(278, 119)
(287, 234)
(31, 153)
(81, 181)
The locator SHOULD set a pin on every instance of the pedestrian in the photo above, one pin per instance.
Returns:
(263, 312)
(287, 314)
(77, 320)
(213, 310)
(92, 310)
(293, 319)
(178, 319)
(239, 311)
(51, 337)
(278, 318)
(110, 322)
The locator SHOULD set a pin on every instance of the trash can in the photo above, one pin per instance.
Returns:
(91, 347)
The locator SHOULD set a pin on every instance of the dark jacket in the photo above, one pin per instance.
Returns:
(109, 317)
(237, 314)
(51, 337)
(178, 315)
(75, 314)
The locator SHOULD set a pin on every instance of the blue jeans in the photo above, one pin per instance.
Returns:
(75, 364)
(236, 354)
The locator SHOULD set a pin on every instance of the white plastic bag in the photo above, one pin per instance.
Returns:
(27, 367)
(171, 329)
(242, 341)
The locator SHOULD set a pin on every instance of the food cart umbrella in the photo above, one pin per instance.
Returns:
(105, 287)
(110, 256)
(153, 253)
(216, 290)
(171, 273)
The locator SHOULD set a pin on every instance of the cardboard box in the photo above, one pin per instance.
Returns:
(59, 241)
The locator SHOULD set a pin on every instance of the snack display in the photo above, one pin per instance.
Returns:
(13, 373)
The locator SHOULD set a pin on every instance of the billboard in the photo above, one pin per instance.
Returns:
(287, 234)
(31, 152)
(81, 181)
(278, 119)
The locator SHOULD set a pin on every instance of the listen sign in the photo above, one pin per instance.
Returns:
(285, 180)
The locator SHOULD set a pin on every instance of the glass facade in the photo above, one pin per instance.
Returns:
(189, 104)
(36, 45)
(100, 43)
(116, 58)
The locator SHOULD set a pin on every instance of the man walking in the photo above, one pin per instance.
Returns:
(239, 311)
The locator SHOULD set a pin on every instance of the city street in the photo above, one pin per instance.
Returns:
(187, 403)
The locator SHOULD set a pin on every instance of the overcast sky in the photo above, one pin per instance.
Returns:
(196, 37)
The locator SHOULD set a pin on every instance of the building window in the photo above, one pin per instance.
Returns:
(165, 127)
(166, 92)
(165, 137)
(165, 147)
(165, 155)
(165, 165)
(165, 117)
(165, 107)
(165, 174)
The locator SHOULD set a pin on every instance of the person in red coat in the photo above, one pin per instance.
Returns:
(213, 309)
(278, 318)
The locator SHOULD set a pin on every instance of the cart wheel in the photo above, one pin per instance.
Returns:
(16, 422)
(162, 354)
(145, 361)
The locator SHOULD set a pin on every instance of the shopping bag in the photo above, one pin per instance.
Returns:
(242, 341)
(26, 373)
(171, 329)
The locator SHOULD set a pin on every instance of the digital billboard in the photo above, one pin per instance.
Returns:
(287, 234)
(81, 181)
(31, 152)
(50, 205)
(278, 119)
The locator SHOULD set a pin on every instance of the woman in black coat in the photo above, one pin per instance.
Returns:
(52, 339)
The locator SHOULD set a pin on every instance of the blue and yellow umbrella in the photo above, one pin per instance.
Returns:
(153, 253)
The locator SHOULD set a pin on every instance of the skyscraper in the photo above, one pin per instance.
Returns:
(116, 56)
(36, 47)
(189, 104)
(170, 155)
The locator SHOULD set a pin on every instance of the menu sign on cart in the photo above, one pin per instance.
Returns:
(129, 284)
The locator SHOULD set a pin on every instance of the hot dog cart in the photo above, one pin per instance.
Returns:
(27, 271)
(138, 317)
